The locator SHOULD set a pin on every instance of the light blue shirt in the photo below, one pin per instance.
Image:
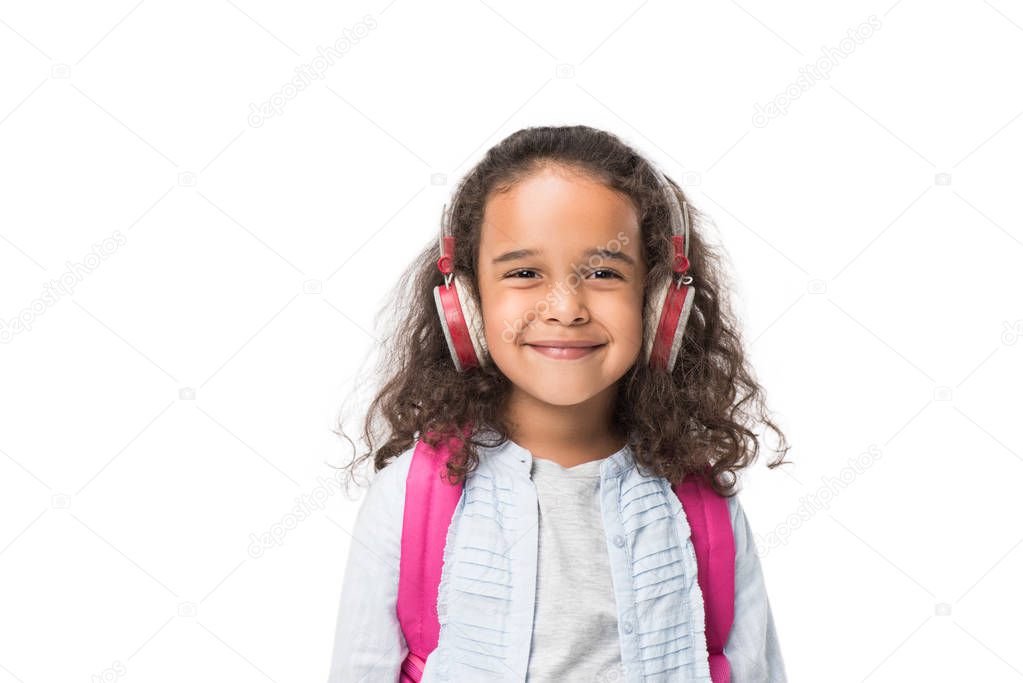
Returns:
(488, 587)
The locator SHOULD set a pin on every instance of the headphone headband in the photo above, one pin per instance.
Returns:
(679, 218)
(446, 247)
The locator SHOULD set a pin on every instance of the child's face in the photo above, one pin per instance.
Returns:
(562, 291)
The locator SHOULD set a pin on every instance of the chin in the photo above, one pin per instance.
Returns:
(564, 396)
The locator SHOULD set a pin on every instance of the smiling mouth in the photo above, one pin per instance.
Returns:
(566, 352)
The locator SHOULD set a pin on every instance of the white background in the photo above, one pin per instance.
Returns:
(874, 236)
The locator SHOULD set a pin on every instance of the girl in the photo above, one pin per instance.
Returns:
(567, 557)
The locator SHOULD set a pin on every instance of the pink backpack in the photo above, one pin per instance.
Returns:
(430, 502)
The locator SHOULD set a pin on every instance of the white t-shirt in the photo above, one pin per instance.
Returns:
(575, 623)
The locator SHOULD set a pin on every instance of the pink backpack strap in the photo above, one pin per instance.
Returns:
(714, 542)
(430, 502)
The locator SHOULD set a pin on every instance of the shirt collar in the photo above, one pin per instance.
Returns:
(519, 458)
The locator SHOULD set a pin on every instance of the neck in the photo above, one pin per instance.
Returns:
(568, 435)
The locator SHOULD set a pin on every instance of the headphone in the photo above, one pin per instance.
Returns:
(667, 313)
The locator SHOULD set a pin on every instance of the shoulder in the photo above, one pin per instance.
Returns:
(733, 507)
(386, 493)
(394, 474)
(741, 531)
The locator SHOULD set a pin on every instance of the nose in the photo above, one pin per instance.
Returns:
(568, 306)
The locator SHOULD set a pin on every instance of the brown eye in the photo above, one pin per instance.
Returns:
(514, 274)
(611, 274)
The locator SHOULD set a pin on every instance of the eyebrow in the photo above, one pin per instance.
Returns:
(595, 251)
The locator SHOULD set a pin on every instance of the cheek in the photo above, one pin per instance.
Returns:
(626, 321)
(512, 311)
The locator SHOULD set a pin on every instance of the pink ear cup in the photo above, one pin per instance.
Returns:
(461, 323)
(666, 323)
(473, 319)
(453, 323)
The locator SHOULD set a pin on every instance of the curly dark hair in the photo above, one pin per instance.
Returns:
(693, 420)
